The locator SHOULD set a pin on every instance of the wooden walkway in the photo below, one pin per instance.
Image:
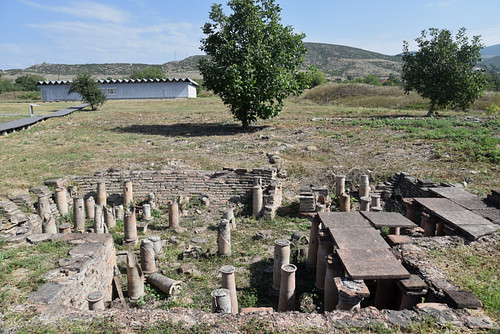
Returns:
(25, 123)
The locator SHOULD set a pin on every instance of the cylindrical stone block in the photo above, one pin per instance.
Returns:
(257, 201)
(49, 224)
(96, 301)
(339, 185)
(364, 186)
(101, 193)
(439, 228)
(79, 214)
(147, 251)
(157, 246)
(109, 217)
(152, 200)
(221, 301)
(429, 223)
(345, 203)
(130, 226)
(287, 288)
(62, 201)
(229, 282)
(333, 269)
(325, 247)
(411, 209)
(173, 214)
(119, 212)
(281, 257)
(165, 284)
(43, 206)
(127, 194)
(364, 204)
(89, 207)
(64, 228)
(351, 294)
(224, 238)
(229, 215)
(98, 219)
(376, 202)
(146, 212)
(135, 278)
(313, 244)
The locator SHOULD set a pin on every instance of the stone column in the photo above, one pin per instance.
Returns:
(43, 206)
(364, 204)
(79, 214)
(148, 264)
(130, 227)
(165, 284)
(351, 294)
(394, 230)
(429, 224)
(411, 209)
(146, 212)
(333, 269)
(281, 257)
(376, 202)
(101, 193)
(152, 200)
(127, 193)
(439, 227)
(135, 278)
(386, 294)
(345, 203)
(376, 209)
(119, 213)
(157, 246)
(109, 217)
(89, 207)
(313, 244)
(96, 301)
(64, 228)
(229, 215)
(412, 290)
(173, 214)
(98, 219)
(287, 288)
(221, 301)
(364, 186)
(325, 248)
(62, 201)
(257, 197)
(49, 224)
(339, 185)
(224, 238)
(228, 282)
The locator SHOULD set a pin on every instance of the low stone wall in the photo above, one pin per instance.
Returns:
(89, 268)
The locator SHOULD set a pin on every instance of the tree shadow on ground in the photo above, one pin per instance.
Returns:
(189, 129)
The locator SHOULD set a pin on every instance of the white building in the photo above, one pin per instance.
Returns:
(124, 89)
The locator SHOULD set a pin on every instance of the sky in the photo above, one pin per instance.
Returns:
(158, 31)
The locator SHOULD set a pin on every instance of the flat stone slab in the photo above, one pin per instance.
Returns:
(388, 219)
(438, 204)
(452, 192)
(47, 294)
(372, 264)
(473, 203)
(463, 299)
(414, 283)
(336, 220)
(358, 237)
(490, 214)
(468, 222)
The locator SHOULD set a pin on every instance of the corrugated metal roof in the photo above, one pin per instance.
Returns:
(121, 81)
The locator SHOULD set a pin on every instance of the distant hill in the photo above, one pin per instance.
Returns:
(490, 51)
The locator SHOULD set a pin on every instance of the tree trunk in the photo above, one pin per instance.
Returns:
(431, 109)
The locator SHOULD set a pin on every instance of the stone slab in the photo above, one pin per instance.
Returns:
(473, 203)
(414, 283)
(463, 299)
(441, 204)
(338, 220)
(358, 237)
(394, 240)
(452, 192)
(477, 231)
(463, 217)
(47, 293)
(372, 264)
(388, 219)
(490, 214)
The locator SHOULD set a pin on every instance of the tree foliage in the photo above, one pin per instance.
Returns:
(443, 69)
(254, 60)
(314, 77)
(148, 73)
(89, 90)
(29, 82)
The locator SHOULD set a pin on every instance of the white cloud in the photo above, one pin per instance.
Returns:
(489, 36)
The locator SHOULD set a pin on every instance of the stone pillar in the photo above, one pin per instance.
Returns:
(439, 227)
(364, 186)
(376, 209)
(221, 301)
(313, 244)
(339, 185)
(411, 209)
(257, 197)
(89, 207)
(157, 246)
(165, 284)
(109, 217)
(43, 206)
(229, 215)
(79, 214)
(228, 282)
(412, 290)
(364, 204)
(147, 251)
(119, 213)
(345, 203)
(65, 228)
(146, 212)
(386, 294)
(224, 238)
(101, 193)
(96, 301)
(325, 248)
(333, 269)
(49, 224)
(130, 227)
(173, 214)
(62, 201)
(351, 294)
(152, 200)
(429, 224)
(287, 288)
(376, 202)
(281, 257)
(98, 219)
(135, 278)
(127, 193)
(394, 230)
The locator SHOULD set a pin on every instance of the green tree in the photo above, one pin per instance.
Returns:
(253, 60)
(393, 80)
(443, 69)
(315, 77)
(29, 82)
(150, 72)
(89, 90)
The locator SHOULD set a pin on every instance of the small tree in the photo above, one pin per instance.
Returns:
(89, 90)
(443, 69)
(254, 61)
(29, 82)
(148, 73)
